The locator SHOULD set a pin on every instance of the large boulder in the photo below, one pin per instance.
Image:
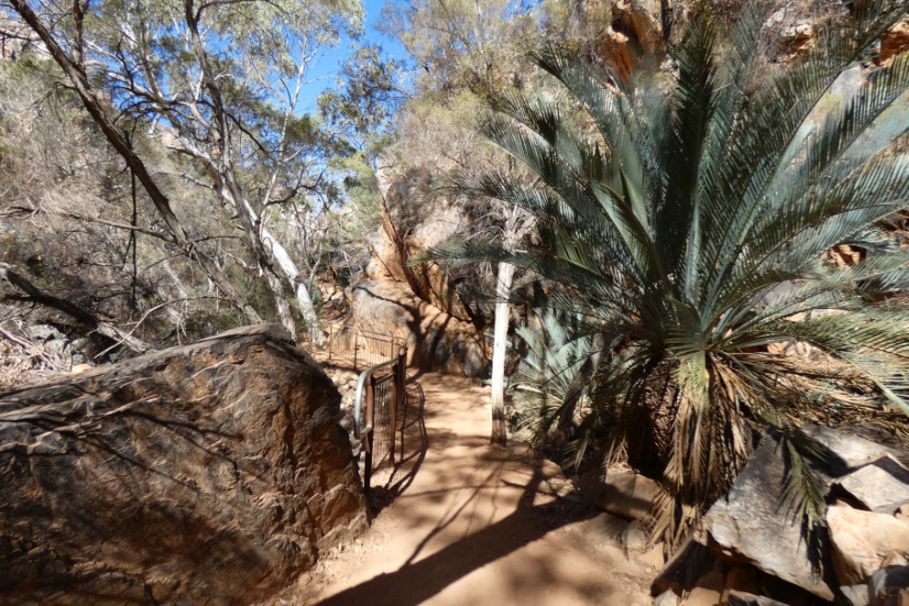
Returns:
(209, 473)
(749, 524)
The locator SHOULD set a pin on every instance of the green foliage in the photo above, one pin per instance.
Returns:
(687, 225)
(367, 94)
(354, 223)
(547, 371)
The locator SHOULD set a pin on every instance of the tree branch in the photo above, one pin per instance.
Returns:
(83, 316)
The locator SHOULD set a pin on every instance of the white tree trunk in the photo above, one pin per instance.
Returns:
(499, 351)
(287, 266)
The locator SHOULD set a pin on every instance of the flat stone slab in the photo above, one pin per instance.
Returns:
(882, 486)
(845, 450)
(752, 524)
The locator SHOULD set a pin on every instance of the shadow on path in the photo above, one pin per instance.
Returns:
(413, 442)
(414, 583)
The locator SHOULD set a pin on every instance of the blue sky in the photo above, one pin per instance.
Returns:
(324, 69)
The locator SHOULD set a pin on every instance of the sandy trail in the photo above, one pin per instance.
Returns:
(473, 524)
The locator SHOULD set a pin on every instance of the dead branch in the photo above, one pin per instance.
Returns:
(34, 294)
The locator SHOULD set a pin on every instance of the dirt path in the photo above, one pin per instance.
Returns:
(473, 524)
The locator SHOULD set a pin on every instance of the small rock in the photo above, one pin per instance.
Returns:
(861, 540)
(634, 538)
(667, 598)
(743, 598)
(855, 595)
(882, 486)
(627, 495)
(890, 586)
(44, 333)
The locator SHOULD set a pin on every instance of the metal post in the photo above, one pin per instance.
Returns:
(370, 423)
(395, 394)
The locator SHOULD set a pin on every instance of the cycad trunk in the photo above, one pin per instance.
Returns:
(499, 349)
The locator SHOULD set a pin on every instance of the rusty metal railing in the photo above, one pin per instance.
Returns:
(381, 389)
(362, 348)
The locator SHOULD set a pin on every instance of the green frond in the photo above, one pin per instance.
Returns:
(684, 222)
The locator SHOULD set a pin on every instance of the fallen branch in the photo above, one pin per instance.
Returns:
(83, 316)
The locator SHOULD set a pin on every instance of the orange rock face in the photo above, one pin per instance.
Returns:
(894, 42)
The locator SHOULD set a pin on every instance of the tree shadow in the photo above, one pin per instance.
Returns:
(415, 582)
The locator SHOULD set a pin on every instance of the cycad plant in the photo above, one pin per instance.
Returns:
(685, 217)
(551, 374)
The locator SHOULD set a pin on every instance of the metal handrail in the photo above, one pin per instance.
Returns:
(376, 347)
(370, 392)
(358, 398)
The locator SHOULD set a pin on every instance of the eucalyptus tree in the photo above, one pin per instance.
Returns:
(222, 84)
(684, 216)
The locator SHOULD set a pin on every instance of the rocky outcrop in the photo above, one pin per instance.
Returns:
(417, 302)
(436, 340)
(210, 473)
(756, 523)
(894, 42)
(644, 20)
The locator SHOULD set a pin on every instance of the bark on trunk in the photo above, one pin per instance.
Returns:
(268, 250)
(286, 265)
(499, 351)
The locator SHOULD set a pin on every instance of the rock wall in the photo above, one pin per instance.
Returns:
(210, 473)
(417, 302)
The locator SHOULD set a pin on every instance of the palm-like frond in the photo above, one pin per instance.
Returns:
(547, 374)
(687, 230)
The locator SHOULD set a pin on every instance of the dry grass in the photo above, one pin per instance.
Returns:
(23, 361)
